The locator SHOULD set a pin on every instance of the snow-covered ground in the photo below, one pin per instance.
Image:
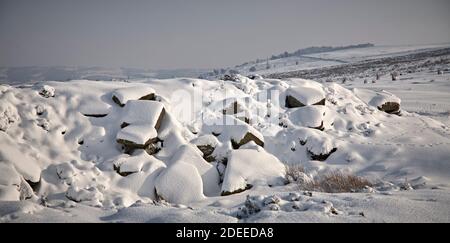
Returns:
(193, 150)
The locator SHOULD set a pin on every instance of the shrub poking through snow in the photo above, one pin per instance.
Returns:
(8, 116)
(251, 206)
(337, 182)
(47, 91)
(296, 174)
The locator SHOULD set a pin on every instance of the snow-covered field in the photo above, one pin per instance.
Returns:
(193, 150)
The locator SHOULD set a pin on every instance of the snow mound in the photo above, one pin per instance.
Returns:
(180, 183)
(308, 116)
(248, 167)
(210, 177)
(142, 92)
(22, 162)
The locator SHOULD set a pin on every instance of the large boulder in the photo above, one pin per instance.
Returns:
(250, 167)
(123, 95)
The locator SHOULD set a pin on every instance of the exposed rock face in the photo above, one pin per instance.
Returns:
(247, 138)
(227, 193)
(292, 102)
(390, 107)
(206, 144)
(321, 157)
(150, 147)
(207, 151)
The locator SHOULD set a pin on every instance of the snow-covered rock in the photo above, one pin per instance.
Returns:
(382, 100)
(305, 93)
(180, 183)
(231, 129)
(91, 194)
(251, 167)
(47, 91)
(142, 92)
(143, 112)
(140, 124)
(138, 161)
(320, 146)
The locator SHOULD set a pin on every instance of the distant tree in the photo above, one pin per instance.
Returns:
(267, 64)
(252, 69)
(296, 62)
(216, 72)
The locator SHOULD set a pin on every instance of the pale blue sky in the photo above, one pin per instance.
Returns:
(204, 33)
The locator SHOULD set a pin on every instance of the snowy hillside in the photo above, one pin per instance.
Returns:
(246, 150)
(308, 59)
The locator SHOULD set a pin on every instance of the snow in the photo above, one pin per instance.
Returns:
(247, 166)
(76, 166)
(180, 183)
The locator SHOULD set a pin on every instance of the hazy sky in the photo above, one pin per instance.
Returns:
(204, 33)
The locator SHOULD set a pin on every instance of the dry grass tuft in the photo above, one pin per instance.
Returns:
(332, 182)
